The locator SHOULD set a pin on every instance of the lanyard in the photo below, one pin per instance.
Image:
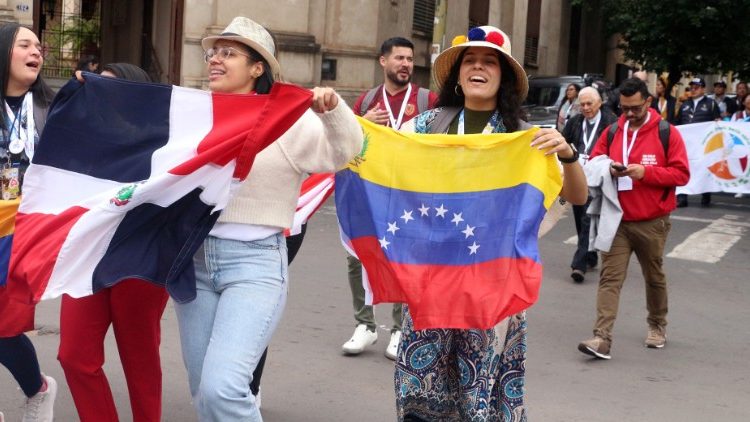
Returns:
(396, 124)
(587, 139)
(625, 147)
(489, 128)
(20, 140)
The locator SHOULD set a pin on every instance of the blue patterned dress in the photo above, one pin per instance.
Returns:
(461, 375)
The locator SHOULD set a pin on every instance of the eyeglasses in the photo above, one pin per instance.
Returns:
(223, 53)
(633, 109)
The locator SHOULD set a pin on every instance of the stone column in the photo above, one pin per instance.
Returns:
(6, 13)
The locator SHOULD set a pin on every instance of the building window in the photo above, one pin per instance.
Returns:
(533, 18)
(424, 18)
(328, 70)
(70, 31)
(479, 12)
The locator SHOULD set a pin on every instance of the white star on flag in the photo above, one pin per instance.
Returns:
(457, 218)
(424, 211)
(407, 216)
(441, 211)
(473, 248)
(468, 231)
(392, 227)
(384, 243)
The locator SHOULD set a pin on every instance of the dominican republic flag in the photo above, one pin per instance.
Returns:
(448, 224)
(314, 192)
(128, 180)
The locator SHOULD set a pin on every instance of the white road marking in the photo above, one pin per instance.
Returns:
(711, 243)
(572, 240)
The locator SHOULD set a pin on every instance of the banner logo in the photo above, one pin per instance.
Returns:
(726, 152)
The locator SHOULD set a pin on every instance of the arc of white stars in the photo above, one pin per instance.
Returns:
(424, 211)
(441, 211)
(384, 243)
(473, 248)
(457, 218)
(392, 227)
(468, 231)
(407, 216)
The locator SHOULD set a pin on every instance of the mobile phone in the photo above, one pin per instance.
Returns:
(619, 167)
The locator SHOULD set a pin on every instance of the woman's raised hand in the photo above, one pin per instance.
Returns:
(324, 99)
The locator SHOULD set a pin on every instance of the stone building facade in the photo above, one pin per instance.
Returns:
(325, 42)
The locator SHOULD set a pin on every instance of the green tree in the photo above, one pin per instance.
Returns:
(680, 36)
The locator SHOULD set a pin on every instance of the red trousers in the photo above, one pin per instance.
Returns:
(134, 308)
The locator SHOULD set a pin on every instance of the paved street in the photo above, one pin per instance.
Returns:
(701, 375)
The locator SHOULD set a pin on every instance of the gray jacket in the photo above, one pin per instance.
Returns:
(604, 209)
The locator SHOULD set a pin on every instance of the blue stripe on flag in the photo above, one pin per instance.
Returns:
(444, 228)
(95, 133)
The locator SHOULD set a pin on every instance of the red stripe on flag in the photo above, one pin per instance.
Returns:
(15, 317)
(38, 237)
(243, 125)
(443, 296)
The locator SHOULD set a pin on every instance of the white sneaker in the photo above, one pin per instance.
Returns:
(40, 407)
(361, 338)
(2, 417)
(392, 350)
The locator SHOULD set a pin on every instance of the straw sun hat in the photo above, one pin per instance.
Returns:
(481, 36)
(253, 35)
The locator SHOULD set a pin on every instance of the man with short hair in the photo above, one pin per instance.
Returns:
(392, 104)
(649, 171)
(582, 131)
(699, 108)
(726, 104)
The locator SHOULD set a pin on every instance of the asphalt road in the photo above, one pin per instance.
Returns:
(701, 375)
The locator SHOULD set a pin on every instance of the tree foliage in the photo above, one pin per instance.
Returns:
(680, 36)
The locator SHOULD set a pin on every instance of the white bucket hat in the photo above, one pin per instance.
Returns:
(481, 36)
(248, 32)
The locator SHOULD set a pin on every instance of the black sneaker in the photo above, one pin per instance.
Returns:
(577, 276)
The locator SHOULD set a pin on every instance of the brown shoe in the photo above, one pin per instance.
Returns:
(657, 338)
(596, 347)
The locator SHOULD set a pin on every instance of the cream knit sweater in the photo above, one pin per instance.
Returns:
(315, 143)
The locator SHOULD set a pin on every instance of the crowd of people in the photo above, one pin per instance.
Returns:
(636, 160)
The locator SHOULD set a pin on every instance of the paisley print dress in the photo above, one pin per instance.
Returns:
(451, 375)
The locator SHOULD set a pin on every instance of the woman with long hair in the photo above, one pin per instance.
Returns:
(476, 374)
(25, 99)
(133, 308)
(569, 106)
(241, 269)
(663, 102)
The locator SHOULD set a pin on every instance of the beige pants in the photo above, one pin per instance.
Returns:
(646, 239)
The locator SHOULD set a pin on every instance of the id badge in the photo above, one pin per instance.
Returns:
(624, 183)
(10, 183)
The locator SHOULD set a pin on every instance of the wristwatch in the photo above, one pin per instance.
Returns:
(572, 159)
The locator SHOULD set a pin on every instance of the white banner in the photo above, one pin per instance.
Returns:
(719, 156)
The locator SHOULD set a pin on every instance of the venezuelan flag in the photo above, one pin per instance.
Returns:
(448, 224)
(8, 211)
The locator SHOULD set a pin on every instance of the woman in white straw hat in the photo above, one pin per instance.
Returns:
(475, 375)
(241, 269)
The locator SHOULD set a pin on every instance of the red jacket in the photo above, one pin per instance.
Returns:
(654, 195)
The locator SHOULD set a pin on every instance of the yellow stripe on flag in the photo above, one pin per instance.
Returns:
(437, 163)
(8, 210)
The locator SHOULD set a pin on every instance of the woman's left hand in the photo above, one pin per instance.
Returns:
(552, 141)
(324, 99)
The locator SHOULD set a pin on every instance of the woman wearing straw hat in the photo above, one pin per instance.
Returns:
(477, 375)
(241, 269)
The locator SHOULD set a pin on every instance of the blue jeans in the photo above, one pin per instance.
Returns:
(241, 294)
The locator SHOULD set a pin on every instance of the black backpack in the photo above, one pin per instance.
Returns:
(423, 98)
(664, 130)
